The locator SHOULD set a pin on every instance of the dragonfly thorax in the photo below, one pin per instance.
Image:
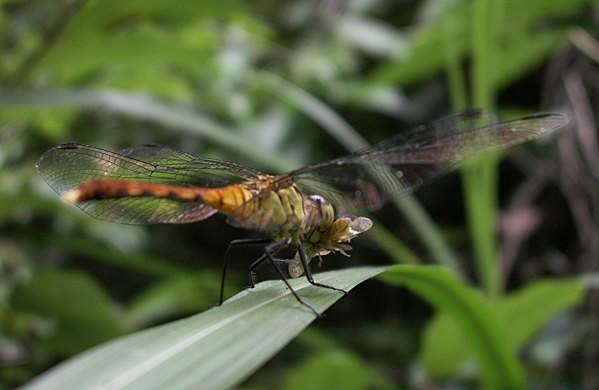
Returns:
(287, 214)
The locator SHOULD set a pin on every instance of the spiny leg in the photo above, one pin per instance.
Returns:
(233, 244)
(308, 272)
(275, 246)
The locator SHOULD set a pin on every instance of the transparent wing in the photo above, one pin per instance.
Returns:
(146, 210)
(68, 166)
(364, 179)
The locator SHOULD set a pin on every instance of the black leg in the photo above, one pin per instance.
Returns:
(255, 264)
(267, 252)
(233, 244)
(308, 272)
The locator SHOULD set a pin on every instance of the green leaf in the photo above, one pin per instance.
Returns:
(215, 349)
(85, 53)
(520, 17)
(97, 16)
(521, 315)
(443, 350)
(102, 35)
(79, 310)
(524, 52)
(527, 310)
(423, 57)
(328, 356)
(335, 369)
(476, 320)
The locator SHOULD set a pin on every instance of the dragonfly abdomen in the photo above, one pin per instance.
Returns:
(228, 200)
(223, 199)
(113, 189)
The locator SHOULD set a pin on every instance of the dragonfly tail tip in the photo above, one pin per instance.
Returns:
(71, 196)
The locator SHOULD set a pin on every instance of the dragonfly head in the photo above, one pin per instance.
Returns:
(335, 238)
(333, 230)
(344, 229)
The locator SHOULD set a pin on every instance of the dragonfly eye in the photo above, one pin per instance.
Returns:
(326, 210)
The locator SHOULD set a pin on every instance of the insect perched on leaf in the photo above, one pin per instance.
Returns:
(310, 210)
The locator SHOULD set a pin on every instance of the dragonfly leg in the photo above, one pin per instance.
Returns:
(308, 272)
(275, 246)
(254, 265)
(233, 244)
(257, 263)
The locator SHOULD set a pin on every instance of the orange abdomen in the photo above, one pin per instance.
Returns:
(225, 199)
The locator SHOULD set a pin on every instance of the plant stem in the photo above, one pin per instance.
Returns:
(480, 177)
(400, 253)
(455, 76)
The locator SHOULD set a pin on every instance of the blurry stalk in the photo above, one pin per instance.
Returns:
(149, 265)
(347, 136)
(398, 251)
(480, 176)
(178, 117)
(455, 76)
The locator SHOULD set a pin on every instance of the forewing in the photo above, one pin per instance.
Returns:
(68, 166)
(364, 179)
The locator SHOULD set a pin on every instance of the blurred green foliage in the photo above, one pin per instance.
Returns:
(86, 320)
(276, 85)
(520, 314)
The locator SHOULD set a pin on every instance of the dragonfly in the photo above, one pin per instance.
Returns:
(312, 211)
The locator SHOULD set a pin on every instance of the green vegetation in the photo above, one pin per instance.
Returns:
(483, 279)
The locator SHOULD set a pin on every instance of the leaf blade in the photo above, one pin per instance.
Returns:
(521, 314)
(229, 341)
(443, 290)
